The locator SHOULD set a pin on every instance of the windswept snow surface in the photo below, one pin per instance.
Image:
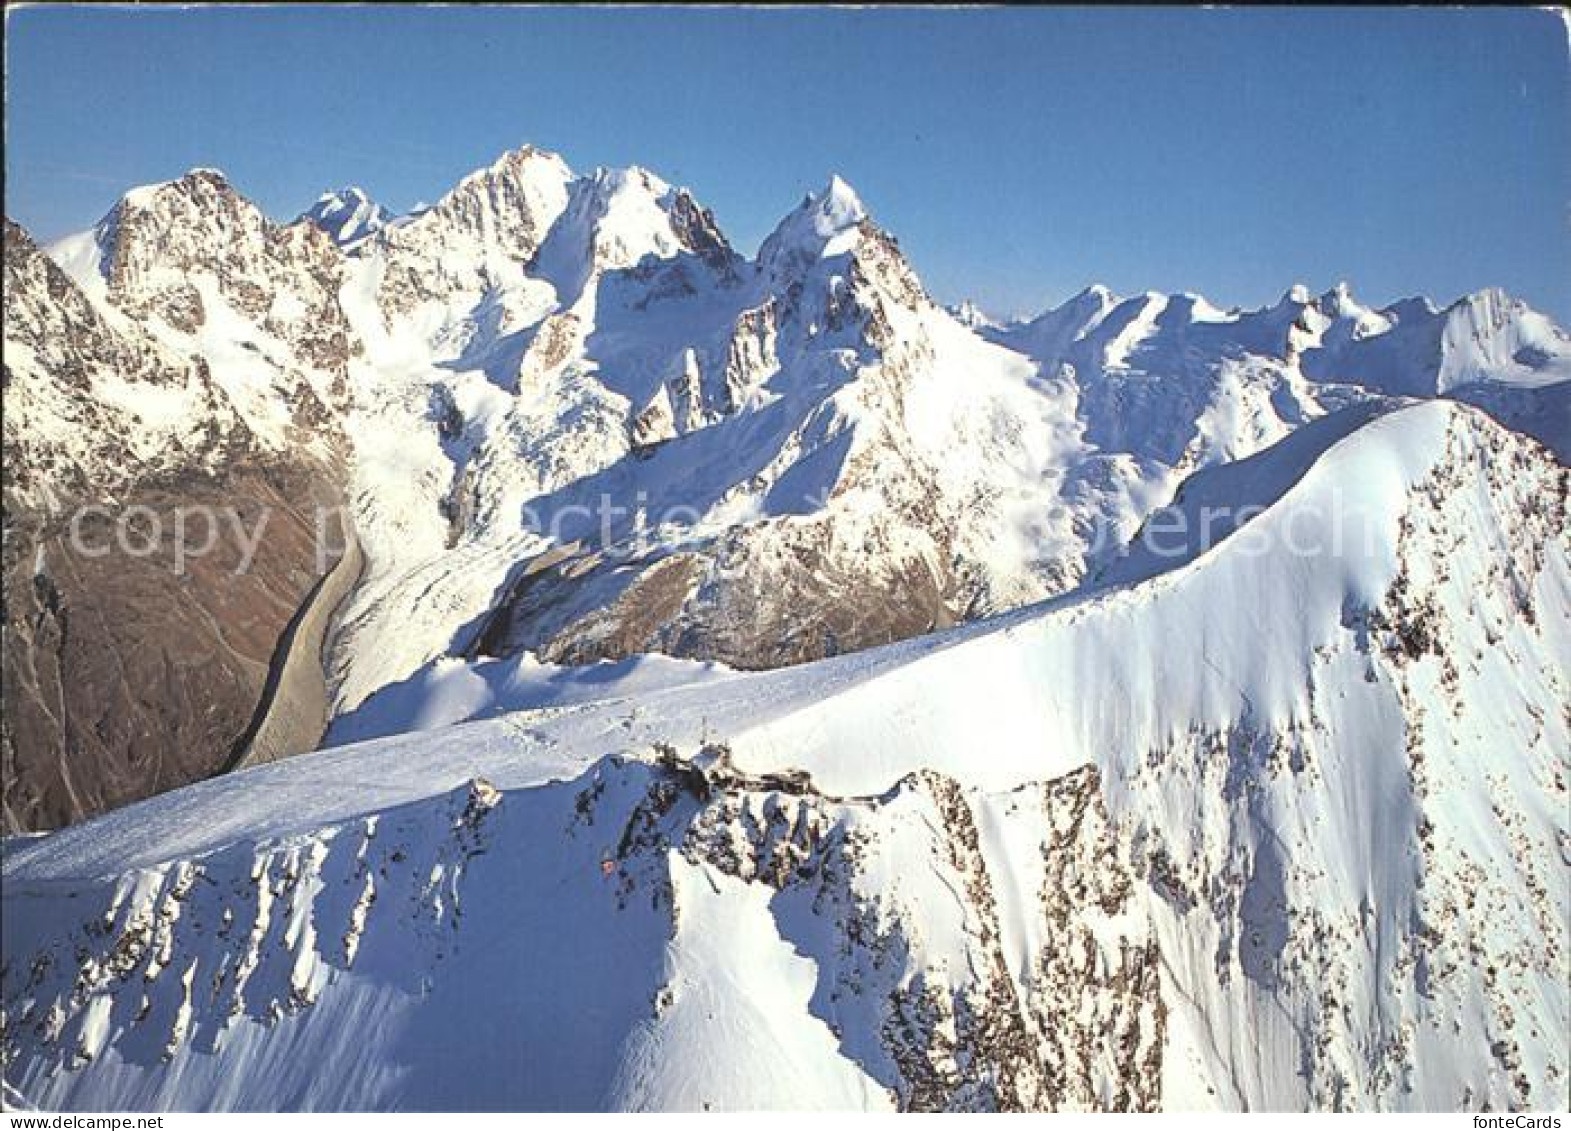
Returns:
(1281, 827)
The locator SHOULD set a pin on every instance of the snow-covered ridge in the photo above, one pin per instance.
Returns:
(1281, 828)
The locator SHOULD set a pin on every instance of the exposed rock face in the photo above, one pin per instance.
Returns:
(160, 510)
(705, 605)
(173, 251)
(478, 236)
(126, 678)
(59, 436)
(696, 230)
(1078, 1023)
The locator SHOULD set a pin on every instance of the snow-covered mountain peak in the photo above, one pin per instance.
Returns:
(193, 198)
(525, 164)
(1049, 336)
(1491, 336)
(612, 181)
(1296, 295)
(838, 207)
(826, 224)
(348, 215)
(636, 213)
(197, 189)
(628, 220)
(1093, 302)
(1414, 348)
(194, 267)
(626, 214)
(193, 181)
(1412, 307)
(480, 234)
(72, 424)
(1339, 298)
(149, 252)
(1339, 303)
(1489, 308)
(1338, 317)
(347, 195)
(512, 201)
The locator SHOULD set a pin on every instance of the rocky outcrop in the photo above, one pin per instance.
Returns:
(61, 435)
(194, 249)
(210, 946)
(161, 511)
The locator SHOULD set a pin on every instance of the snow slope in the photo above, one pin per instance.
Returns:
(1280, 827)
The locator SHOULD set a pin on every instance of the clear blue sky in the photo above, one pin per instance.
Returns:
(1017, 154)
